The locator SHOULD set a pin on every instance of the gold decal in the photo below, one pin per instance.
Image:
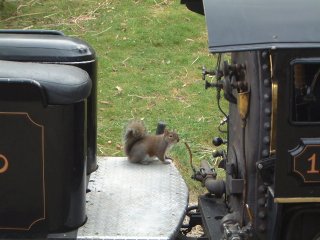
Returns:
(306, 162)
(5, 166)
(313, 160)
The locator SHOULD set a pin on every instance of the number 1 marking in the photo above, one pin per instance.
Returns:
(313, 161)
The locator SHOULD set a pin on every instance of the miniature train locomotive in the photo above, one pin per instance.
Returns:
(272, 84)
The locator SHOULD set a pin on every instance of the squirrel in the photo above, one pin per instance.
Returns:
(141, 147)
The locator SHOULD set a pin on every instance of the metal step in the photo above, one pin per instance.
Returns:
(212, 211)
(132, 201)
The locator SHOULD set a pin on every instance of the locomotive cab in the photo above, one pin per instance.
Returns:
(271, 81)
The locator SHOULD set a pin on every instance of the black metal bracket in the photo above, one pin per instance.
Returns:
(266, 169)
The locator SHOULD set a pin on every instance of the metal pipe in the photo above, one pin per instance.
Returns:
(214, 186)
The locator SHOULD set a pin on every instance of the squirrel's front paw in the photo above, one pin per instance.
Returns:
(167, 161)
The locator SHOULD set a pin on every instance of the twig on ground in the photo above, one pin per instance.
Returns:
(24, 15)
(96, 34)
(50, 15)
(195, 60)
(124, 61)
(142, 97)
(29, 27)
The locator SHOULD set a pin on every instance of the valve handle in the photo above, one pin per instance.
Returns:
(217, 141)
(205, 72)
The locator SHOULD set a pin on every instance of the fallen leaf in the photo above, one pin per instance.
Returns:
(119, 147)
(119, 89)
(201, 119)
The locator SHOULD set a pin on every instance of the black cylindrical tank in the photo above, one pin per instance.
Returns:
(48, 46)
(42, 147)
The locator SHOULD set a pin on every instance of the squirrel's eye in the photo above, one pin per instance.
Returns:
(170, 136)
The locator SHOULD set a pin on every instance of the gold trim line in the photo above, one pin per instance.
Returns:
(27, 228)
(297, 200)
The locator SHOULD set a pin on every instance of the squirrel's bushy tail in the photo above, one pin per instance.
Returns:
(134, 131)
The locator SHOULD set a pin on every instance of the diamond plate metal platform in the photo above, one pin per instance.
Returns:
(133, 201)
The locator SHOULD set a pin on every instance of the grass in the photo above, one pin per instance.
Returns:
(150, 55)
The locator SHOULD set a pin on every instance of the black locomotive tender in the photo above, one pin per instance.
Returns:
(48, 90)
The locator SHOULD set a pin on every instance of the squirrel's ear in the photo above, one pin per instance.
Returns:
(166, 131)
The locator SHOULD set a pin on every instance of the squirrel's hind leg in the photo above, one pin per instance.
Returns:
(147, 160)
(136, 158)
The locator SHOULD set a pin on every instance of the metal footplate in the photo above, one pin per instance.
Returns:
(133, 201)
(212, 211)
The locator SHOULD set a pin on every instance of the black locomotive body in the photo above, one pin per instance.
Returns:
(271, 166)
(272, 185)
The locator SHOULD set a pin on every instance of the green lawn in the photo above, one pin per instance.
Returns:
(150, 55)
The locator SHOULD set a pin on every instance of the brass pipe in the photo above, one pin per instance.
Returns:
(243, 104)
(274, 92)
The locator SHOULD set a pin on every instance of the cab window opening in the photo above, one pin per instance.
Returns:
(306, 92)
